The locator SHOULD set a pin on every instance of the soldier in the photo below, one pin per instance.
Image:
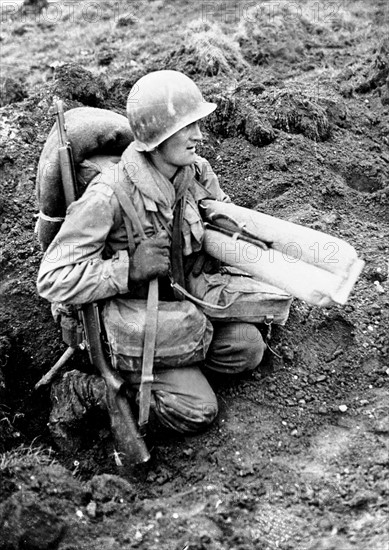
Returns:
(165, 180)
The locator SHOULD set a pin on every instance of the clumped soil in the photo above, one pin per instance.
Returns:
(298, 457)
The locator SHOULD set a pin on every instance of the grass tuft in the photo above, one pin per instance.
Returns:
(213, 51)
(207, 51)
(26, 456)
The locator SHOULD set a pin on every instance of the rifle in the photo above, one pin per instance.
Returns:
(130, 444)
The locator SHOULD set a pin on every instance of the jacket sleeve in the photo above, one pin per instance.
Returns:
(73, 269)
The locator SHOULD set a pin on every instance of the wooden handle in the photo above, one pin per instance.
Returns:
(47, 378)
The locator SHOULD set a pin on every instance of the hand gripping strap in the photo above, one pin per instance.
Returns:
(131, 220)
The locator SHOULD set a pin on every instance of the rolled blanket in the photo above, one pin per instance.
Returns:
(90, 131)
(308, 264)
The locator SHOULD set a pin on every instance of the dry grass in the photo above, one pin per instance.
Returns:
(265, 33)
(214, 52)
(25, 457)
(76, 32)
(207, 51)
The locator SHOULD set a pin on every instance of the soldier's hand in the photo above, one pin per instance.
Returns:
(151, 258)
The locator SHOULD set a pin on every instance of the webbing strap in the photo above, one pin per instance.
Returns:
(131, 220)
(177, 263)
(148, 355)
(130, 233)
(181, 290)
(129, 209)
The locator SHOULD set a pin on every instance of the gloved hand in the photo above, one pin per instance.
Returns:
(150, 259)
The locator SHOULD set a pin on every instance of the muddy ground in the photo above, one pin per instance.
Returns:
(298, 457)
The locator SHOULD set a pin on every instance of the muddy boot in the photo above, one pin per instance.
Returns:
(72, 397)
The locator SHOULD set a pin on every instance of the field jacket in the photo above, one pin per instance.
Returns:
(89, 260)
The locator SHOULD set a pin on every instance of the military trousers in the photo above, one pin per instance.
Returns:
(182, 398)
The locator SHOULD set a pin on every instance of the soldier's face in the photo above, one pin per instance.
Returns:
(180, 148)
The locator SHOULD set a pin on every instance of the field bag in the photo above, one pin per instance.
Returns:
(239, 297)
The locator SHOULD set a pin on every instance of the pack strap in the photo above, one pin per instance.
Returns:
(129, 209)
(132, 221)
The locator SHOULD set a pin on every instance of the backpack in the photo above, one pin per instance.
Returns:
(90, 131)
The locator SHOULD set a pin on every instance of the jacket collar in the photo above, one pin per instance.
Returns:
(152, 183)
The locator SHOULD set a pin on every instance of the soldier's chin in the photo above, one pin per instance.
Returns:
(186, 159)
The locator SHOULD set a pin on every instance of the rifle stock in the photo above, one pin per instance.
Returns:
(131, 446)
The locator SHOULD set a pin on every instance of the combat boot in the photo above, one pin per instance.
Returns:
(73, 398)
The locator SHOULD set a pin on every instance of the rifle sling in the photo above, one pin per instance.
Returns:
(131, 220)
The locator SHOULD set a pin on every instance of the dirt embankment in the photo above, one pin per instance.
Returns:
(298, 457)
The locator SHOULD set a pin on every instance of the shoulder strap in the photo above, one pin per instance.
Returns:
(130, 215)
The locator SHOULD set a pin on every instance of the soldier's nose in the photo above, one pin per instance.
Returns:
(196, 134)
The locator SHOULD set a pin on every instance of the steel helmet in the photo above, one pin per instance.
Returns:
(162, 103)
